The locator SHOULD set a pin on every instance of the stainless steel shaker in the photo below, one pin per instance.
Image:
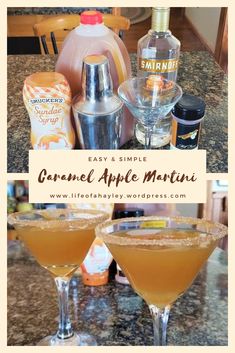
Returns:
(97, 111)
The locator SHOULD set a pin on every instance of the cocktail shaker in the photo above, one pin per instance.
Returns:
(97, 111)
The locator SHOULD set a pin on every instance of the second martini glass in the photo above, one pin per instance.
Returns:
(149, 99)
(59, 240)
(160, 257)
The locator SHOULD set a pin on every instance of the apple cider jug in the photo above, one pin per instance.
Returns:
(92, 37)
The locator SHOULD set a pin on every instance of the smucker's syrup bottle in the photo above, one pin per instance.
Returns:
(47, 98)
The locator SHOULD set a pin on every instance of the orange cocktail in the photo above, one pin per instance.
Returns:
(160, 274)
(160, 257)
(60, 239)
(59, 250)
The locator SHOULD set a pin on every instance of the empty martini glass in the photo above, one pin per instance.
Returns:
(59, 240)
(149, 99)
(160, 256)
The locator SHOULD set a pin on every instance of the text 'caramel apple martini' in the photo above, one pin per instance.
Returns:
(160, 257)
(59, 239)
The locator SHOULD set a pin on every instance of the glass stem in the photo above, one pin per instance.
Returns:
(65, 327)
(160, 320)
(148, 137)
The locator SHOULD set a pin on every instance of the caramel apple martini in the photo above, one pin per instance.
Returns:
(160, 257)
(59, 239)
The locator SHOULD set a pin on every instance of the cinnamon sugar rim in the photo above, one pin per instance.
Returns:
(88, 218)
(211, 231)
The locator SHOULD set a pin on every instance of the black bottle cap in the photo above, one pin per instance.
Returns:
(189, 108)
(129, 212)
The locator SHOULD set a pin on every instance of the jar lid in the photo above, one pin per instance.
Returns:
(91, 17)
(189, 107)
(47, 79)
(95, 279)
(129, 212)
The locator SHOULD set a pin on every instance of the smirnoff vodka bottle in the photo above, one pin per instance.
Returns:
(158, 54)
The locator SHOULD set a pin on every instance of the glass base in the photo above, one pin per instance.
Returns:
(78, 339)
(161, 135)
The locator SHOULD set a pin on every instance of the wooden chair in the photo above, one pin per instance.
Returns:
(46, 28)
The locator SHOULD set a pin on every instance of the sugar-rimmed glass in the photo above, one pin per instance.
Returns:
(161, 256)
(59, 239)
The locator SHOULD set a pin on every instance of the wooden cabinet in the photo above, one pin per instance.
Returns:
(221, 50)
(216, 208)
(219, 211)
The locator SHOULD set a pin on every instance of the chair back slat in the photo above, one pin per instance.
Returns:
(44, 44)
(56, 23)
(120, 23)
(54, 43)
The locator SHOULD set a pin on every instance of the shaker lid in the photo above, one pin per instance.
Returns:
(129, 212)
(91, 18)
(95, 60)
(97, 96)
(189, 107)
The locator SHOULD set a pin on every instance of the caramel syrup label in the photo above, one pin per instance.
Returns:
(185, 137)
(163, 66)
(49, 111)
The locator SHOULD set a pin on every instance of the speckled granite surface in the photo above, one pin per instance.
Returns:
(198, 74)
(13, 11)
(114, 314)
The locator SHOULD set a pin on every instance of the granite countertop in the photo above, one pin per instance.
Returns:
(113, 313)
(16, 11)
(199, 74)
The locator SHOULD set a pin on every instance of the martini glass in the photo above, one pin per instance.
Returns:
(149, 103)
(160, 257)
(59, 240)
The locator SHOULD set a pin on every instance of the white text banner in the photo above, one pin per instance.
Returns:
(120, 176)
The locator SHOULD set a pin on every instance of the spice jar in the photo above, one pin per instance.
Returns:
(187, 116)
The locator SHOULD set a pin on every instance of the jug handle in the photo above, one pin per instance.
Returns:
(119, 64)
